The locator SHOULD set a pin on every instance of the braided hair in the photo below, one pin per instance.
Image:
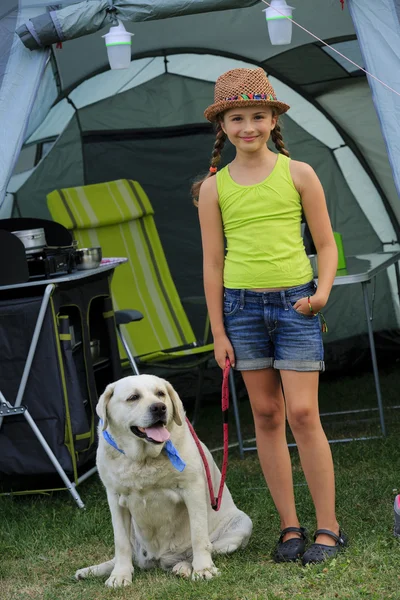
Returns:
(276, 137)
(219, 144)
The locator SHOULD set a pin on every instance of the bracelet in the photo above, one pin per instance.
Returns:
(324, 327)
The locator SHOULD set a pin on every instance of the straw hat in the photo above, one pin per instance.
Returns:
(243, 87)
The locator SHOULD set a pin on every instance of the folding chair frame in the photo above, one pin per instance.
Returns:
(9, 410)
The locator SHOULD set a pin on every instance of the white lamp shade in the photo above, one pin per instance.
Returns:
(279, 19)
(118, 44)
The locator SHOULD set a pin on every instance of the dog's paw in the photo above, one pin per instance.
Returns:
(118, 580)
(207, 573)
(182, 569)
(83, 573)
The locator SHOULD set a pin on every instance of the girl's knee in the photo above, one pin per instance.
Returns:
(269, 418)
(302, 419)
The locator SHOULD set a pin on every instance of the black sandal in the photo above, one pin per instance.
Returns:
(292, 549)
(318, 553)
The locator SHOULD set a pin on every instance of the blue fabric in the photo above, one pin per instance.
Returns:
(108, 437)
(170, 450)
(377, 27)
(174, 457)
(21, 73)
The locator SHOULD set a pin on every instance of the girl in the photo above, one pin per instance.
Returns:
(262, 300)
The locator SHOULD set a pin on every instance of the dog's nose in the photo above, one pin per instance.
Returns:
(158, 409)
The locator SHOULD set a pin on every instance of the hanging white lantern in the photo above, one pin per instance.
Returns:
(279, 19)
(118, 44)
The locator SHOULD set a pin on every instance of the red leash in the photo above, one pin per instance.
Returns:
(216, 501)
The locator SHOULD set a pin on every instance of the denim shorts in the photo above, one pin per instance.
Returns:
(266, 331)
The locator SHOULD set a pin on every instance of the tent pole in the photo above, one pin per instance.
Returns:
(373, 356)
(56, 72)
(81, 137)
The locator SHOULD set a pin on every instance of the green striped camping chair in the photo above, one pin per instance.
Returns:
(118, 216)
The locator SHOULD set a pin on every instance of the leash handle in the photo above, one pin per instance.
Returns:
(225, 387)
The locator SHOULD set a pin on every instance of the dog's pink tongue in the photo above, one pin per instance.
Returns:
(158, 434)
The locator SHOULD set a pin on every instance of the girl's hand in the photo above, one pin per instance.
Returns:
(316, 303)
(222, 349)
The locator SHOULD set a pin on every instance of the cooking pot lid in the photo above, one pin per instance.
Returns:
(24, 232)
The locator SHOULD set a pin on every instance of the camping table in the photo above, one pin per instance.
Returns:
(6, 408)
(363, 269)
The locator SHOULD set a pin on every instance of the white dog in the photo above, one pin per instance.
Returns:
(156, 486)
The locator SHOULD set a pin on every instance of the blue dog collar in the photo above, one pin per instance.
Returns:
(170, 450)
(174, 457)
(109, 438)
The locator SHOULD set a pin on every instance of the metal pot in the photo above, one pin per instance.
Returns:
(88, 258)
(34, 240)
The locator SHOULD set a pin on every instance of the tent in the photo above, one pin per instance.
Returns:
(71, 121)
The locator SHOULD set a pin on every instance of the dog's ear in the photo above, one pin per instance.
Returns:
(176, 403)
(104, 399)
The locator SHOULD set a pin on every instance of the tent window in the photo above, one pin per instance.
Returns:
(350, 49)
(26, 159)
(45, 148)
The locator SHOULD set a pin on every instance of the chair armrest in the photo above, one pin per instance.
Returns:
(123, 317)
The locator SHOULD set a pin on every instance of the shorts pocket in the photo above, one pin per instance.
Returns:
(300, 314)
(231, 307)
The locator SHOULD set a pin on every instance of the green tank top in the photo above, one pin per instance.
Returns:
(262, 226)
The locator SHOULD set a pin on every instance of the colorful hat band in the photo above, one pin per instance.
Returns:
(252, 97)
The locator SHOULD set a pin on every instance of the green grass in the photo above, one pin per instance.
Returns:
(44, 539)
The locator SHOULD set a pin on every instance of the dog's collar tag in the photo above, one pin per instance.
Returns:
(109, 438)
(174, 457)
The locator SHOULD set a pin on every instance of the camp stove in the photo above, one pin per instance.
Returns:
(51, 262)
